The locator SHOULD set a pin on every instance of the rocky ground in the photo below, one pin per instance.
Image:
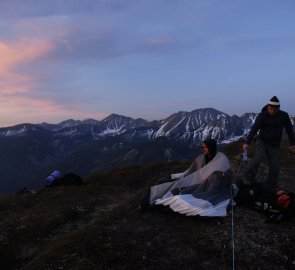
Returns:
(97, 226)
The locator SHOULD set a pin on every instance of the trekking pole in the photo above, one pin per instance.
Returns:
(244, 159)
(232, 230)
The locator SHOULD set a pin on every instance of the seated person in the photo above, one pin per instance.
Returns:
(203, 189)
(209, 149)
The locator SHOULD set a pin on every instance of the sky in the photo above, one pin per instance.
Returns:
(78, 59)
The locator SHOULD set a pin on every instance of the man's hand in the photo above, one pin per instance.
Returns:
(246, 146)
(292, 148)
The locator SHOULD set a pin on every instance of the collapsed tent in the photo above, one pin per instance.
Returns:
(204, 192)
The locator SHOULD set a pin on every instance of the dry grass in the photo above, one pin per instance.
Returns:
(98, 226)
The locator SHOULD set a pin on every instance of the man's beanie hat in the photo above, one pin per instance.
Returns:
(274, 102)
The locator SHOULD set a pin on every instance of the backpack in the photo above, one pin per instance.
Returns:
(283, 207)
(70, 179)
(279, 206)
(256, 195)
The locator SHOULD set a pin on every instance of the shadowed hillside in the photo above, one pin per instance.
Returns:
(97, 226)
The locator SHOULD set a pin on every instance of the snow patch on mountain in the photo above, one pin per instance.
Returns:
(169, 131)
(112, 131)
(190, 127)
(161, 132)
(16, 131)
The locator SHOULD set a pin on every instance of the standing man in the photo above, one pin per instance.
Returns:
(270, 123)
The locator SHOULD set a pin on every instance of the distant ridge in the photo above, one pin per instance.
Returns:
(31, 151)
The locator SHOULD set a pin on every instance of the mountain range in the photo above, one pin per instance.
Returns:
(30, 152)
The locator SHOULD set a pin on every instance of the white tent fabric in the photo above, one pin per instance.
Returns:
(205, 192)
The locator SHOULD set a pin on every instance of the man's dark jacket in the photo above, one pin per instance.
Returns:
(271, 128)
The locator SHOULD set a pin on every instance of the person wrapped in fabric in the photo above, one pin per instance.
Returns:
(209, 150)
(270, 123)
(203, 189)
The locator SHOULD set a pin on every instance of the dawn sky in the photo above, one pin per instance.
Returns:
(62, 59)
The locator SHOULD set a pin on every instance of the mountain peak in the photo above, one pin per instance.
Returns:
(210, 111)
(20, 130)
(116, 116)
(70, 123)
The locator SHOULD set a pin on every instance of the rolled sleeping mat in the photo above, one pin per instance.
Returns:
(49, 180)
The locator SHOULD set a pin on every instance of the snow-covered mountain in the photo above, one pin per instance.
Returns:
(184, 126)
(200, 124)
(29, 152)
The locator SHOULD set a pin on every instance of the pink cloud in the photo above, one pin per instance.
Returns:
(9, 89)
(16, 83)
(29, 109)
(21, 51)
(20, 109)
(18, 53)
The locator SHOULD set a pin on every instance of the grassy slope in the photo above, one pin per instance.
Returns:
(97, 226)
